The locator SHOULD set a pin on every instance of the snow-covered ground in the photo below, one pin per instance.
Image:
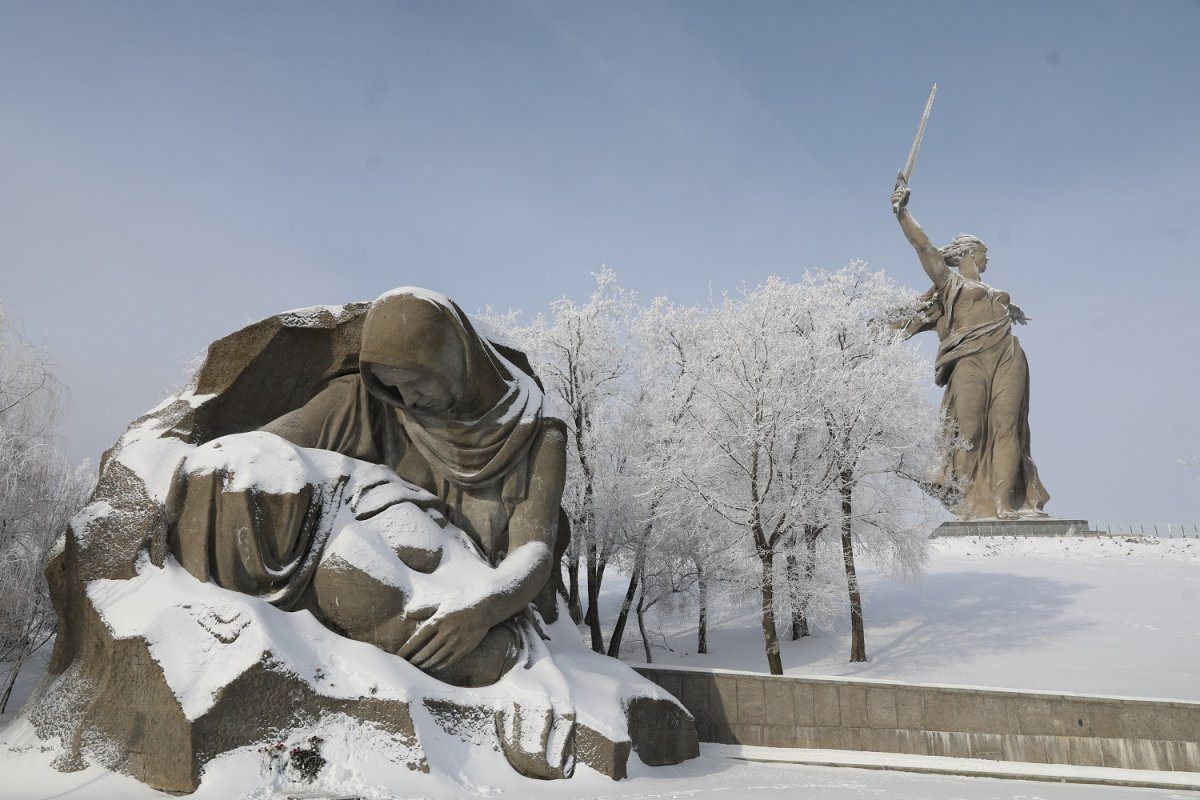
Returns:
(1093, 616)
(28, 776)
(1105, 616)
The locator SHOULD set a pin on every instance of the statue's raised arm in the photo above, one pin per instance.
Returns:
(931, 257)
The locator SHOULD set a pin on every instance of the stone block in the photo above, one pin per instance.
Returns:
(1100, 719)
(910, 712)
(694, 694)
(661, 732)
(722, 700)
(1084, 752)
(779, 736)
(1058, 749)
(986, 745)
(957, 745)
(939, 711)
(980, 713)
(1183, 756)
(777, 703)
(805, 737)
(802, 704)
(881, 707)
(748, 734)
(879, 741)
(722, 733)
(750, 701)
(852, 701)
(1036, 717)
(1114, 753)
(829, 739)
(1170, 722)
(826, 707)
(912, 742)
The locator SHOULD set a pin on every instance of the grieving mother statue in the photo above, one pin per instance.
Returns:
(985, 373)
(460, 432)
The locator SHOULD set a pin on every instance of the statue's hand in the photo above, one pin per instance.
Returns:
(900, 197)
(445, 638)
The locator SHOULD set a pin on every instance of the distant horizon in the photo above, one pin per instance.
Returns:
(176, 171)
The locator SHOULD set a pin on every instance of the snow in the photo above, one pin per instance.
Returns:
(311, 316)
(717, 773)
(1025, 614)
(1107, 616)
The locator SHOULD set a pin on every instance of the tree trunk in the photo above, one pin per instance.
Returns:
(641, 618)
(770, 636)
(702, 621)
(858, 639)
(573, 605)
(800, 626)
(799, 622)
(12, 681)
(592, 617)
(614, 644)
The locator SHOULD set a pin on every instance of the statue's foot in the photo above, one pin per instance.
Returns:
(537, 742)
(1006, 513)
(1032, 513)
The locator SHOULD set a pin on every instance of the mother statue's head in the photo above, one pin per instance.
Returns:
(966, 252)
(420, 352)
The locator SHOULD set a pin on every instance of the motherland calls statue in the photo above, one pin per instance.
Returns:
(983, 368)
(990, 474)
(346, 530)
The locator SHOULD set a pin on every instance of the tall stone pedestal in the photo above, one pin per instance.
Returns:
(1046, 526)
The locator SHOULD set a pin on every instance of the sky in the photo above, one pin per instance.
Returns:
(170, 172)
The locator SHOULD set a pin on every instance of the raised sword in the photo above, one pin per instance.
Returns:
(903, 175)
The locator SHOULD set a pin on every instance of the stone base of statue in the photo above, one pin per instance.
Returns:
(1041, 526)
(157, 674)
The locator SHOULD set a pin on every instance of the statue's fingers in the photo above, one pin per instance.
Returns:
(443, 657)
(419, 639)
(424, 657)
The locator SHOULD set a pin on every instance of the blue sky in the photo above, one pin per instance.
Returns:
(172, 171)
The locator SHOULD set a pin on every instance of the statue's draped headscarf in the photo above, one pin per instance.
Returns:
(487, 433)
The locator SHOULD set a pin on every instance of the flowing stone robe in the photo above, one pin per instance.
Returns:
(475, 460)
(986, 377)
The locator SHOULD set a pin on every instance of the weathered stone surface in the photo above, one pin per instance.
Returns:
(950, 721)
(661, 732)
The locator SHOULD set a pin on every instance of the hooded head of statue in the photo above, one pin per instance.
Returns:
(420, 353)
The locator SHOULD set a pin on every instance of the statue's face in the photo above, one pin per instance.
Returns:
(419, 390)
(981, 258)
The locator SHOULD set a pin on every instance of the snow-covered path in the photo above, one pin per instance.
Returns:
(1092, 616)
(28, 776)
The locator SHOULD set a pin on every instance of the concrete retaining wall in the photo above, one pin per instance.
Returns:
(753, 709)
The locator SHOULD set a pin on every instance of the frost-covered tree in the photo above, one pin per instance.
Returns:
(748, 444)
(39, 492)
(882, 434)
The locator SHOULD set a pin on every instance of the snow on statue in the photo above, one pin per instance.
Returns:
(346, 529)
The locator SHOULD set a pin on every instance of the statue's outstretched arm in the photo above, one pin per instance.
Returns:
(931, 259)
